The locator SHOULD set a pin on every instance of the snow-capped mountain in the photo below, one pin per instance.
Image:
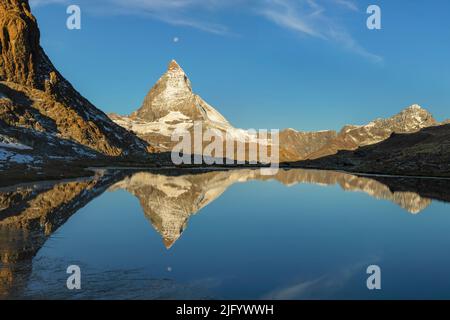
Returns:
(43, 118)
(171, 105)
(313, 145)
(172, 98)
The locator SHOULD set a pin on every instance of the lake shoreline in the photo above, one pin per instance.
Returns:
(23, 174)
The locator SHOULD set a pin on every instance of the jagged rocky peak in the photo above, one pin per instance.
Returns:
(176, 81)
(415, 116)
(314, 145)
(174, 67)
(36, 97)
(172, 95)
(22, 60)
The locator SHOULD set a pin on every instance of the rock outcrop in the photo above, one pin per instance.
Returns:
(423, 153)
(171, 105)
(22, 60)
(36, 100)
(172, 98)
(314, 145)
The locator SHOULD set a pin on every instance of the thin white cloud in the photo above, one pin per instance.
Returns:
(348, 4)
(187, 13)
(311, 18)
(343, 38)
(286, 14)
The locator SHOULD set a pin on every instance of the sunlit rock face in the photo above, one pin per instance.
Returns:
(172, 96)
(39, 107)
(171, 106)
(422, 153)
(314, 145)
(21, 60)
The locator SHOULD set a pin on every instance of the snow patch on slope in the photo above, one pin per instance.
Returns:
(8, 142)
(9, 156)
(3, 96)
(164, 126)
(174, 116)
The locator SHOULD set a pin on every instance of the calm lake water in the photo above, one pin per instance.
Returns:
(301, 234)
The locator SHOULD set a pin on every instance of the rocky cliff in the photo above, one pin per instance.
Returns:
(422, 153)
(314, 145)
(39, 104)
(172, 95)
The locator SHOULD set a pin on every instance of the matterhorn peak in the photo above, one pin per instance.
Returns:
(414, 107)
(175, 81)
(173, 65)
(172, 97)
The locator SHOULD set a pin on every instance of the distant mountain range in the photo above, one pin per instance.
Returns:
(48, 129)
(423, 153)
(172, 105)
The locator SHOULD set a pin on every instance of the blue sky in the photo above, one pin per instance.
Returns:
(304, 64)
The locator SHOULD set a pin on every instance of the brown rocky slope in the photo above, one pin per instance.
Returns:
(314, 145)
(424, 153)
(35, 97)
(172, 106)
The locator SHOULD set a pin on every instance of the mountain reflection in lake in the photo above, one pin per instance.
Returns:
(255, 239)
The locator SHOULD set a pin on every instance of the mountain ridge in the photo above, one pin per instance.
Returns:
(44, 120)
(422, 153)
(171, 105)
(351, 137)
(173, 93)
(38, 98)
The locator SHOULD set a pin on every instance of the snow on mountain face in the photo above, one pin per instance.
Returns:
(177, 87)
(173, 94)
(164, 126)
(413, 118)
(172, 106)
(8, 142)
(410, 120)
(11, 156)
(314, 145)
